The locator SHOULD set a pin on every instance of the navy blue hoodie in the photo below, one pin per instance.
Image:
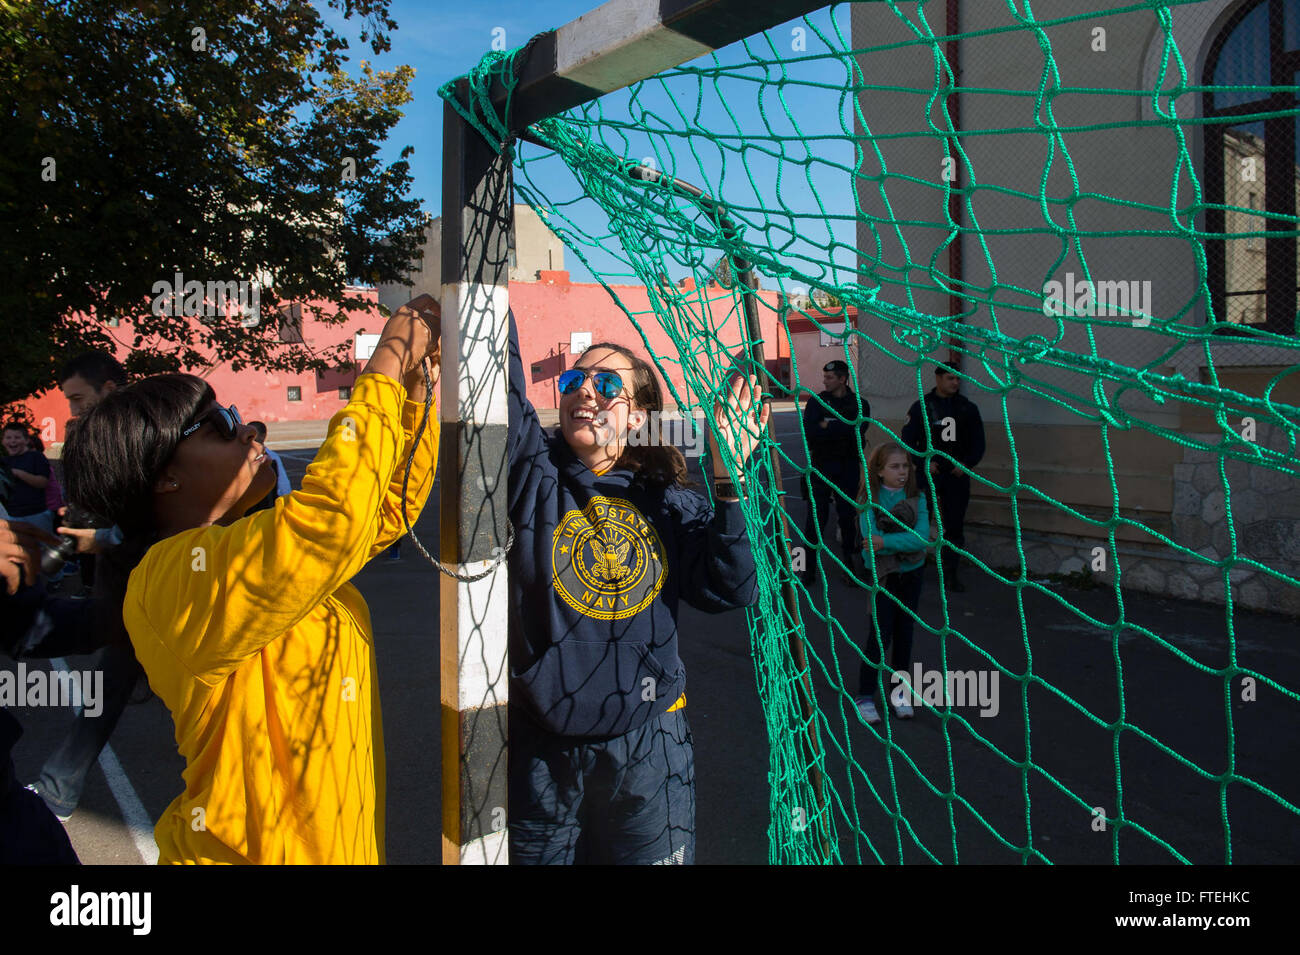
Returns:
(597, 569)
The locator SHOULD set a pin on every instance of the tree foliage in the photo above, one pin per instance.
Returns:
(220, 139)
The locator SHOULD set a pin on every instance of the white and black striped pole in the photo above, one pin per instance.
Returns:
(476, 224)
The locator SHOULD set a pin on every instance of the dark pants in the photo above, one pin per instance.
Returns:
(819, 505)
(623, 801)
(29, 832)
(63, 776)
(953, 490)
(895, 630)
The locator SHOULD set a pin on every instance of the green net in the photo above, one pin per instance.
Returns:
(1122, 309)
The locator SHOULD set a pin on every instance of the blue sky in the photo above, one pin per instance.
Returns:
(443, 40)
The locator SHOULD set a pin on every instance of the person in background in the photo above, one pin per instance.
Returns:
(53, 490)
(30, 471)
(896, 528)
(956, 431)
(29, 833)
(836, 424)
(53, 506)
(282, 484)
(86, 380)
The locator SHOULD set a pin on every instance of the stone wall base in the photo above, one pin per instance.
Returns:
(1161, 571)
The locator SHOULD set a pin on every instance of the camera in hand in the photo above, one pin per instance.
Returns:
(54, 557)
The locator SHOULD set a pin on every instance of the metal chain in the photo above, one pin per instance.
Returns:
(406, 478)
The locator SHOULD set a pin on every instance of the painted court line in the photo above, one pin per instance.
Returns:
(133, 812)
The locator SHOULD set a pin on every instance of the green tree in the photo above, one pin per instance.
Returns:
(221, 139)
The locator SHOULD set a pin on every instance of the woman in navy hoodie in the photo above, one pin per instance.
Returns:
(608, 539)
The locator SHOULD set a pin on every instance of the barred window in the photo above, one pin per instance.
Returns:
(1254, 272)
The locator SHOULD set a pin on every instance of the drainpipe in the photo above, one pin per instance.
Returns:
(956, 304)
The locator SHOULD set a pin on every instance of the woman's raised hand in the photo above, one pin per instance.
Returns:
(411, 334)
(741, 415)
(422, 315)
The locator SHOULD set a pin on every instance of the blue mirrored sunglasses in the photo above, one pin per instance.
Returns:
(225, 420)
(609, 384)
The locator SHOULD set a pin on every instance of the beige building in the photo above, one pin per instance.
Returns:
(536, 248)
(1040, 374)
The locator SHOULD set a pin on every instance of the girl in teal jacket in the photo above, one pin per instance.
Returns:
(896, 527)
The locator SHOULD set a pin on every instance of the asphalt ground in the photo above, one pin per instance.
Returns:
(952, 797)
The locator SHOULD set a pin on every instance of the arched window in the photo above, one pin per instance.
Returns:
(1252, 167)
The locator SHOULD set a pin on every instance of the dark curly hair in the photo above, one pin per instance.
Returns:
(111, 460)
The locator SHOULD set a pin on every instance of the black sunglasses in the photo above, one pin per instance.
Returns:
(609, 384)
(225, 420)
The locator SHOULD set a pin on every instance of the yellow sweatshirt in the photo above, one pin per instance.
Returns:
(263, 651)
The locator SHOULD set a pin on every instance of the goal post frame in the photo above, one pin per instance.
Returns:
(609, 48)
(474, 677)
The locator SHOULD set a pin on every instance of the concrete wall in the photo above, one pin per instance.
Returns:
(1060, 448)
(426, 271)
(536, 249)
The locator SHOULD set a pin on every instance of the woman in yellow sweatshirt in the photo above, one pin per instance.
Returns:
(248, 627)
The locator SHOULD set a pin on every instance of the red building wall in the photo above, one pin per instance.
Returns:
(812, 352)
(259, 395)
(546, 312)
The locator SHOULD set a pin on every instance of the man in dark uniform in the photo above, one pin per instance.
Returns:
(836, 423)
(957, 431)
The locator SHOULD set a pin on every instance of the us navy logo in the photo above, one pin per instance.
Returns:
(607, 560)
